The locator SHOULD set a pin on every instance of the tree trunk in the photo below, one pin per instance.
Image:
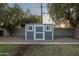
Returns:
(77, 31)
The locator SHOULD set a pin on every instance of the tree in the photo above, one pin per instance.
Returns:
(2, 12)
(65, 10)
(29, 18)
(11, 17)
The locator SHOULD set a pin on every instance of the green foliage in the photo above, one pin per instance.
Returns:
(5, 48)
(31, 19)
(68, 11)
(10, 17)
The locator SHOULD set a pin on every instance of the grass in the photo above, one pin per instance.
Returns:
(53, 50)
(5, 48)
(45, 50)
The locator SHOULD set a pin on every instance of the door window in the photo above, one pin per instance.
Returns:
(39, 29)
(48, 28)
(30, 28)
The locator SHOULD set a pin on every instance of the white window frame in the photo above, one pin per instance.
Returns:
(28, 27)
(46, 28)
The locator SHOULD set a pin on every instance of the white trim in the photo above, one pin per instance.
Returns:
(52, 27)
(25, 32)
(34, 31)
(44, 31)
(38, 32)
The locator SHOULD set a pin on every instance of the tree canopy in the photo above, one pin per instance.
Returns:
(12, 17)
(68, 11)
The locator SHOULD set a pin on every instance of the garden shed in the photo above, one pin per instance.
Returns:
(39, 32)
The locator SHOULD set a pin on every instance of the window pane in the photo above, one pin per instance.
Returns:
(48, 27)
(30, 28)
(39, 29)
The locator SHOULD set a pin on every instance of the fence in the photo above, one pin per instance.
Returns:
(63, 32)
(57, 32)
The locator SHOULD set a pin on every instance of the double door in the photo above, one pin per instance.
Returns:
(39, 32)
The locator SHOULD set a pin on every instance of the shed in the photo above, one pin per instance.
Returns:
(39, 32)
(3, 32)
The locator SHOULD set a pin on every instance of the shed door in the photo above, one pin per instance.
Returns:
(39, 32)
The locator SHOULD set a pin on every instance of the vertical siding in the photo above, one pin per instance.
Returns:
(48, 35)
(30, 35)
(39, 35)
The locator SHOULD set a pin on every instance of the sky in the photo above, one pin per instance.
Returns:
(35, 9)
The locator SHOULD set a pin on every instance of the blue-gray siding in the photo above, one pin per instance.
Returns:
(48, 35)
(30, 35)
(39, 35)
